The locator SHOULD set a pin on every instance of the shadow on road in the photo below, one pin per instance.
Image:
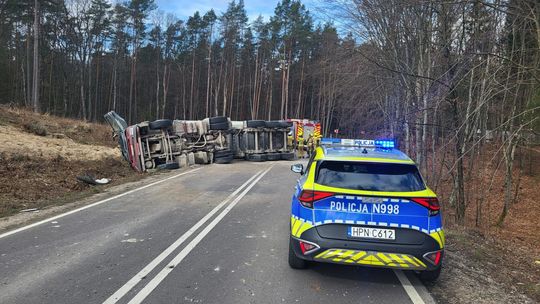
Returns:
(355, 273)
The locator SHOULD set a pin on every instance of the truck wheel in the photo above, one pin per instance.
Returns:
(287, 155)
(168, 166)
(285, 124)
(430, 275)
(222, 153)
(219, 126)
(149, 164)
(273, 124)
(224, 159)
(160, 124)
(218, 119)
(256, 157)
(294, 261)
(255, 123)
(144, 128)
(273, 156)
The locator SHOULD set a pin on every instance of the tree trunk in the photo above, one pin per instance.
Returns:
(96, 94)
(29, 84)
(192, 84)
(158, 86)
(115, 89)
(81, 92)
(132, 85)
(166, 78)
(90, 85)
(35, 82)
(208, 78)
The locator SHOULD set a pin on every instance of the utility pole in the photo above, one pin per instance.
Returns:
(35, 81)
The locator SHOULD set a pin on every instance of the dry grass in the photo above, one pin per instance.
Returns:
(78, 131)
(35, 127)
(35, 183)
(42, 155)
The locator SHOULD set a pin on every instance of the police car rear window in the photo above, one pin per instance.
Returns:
(369, 176)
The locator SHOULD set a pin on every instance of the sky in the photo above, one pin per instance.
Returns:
(185, 8)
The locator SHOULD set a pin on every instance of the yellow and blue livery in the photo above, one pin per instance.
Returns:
(364, 202)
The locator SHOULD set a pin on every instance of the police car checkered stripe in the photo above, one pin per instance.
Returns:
(383, 199)
(373, 258)
(382, 224)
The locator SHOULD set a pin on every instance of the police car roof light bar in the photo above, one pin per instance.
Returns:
(366, 143)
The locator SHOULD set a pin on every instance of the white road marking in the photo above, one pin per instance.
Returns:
(141, 275)
(3, 235)
(189, 247)
(409, 288)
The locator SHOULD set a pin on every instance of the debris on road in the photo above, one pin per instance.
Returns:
(102, 181)
(30, 210)
(92, 180)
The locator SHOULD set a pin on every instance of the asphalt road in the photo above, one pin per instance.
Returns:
(215, 234)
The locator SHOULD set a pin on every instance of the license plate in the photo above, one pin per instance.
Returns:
(372, 233)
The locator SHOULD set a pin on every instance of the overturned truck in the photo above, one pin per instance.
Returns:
(170, 144)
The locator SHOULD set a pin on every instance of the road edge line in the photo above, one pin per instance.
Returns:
(409, 287)
(5, 234)
(128, 286)
(143, 293)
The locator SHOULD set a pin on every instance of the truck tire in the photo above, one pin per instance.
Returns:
(218, 119)
(273, 156)
(219, 126)
(255, 123)
(222, 153)
(168, 166)
(224, 159)
(150, 164)
(287, 155)
(273, 124)
(160, 124)
(256, 157)
(144, 127)
(285, 124)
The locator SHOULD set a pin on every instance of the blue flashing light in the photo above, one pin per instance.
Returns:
(385, 144)
(379, 143)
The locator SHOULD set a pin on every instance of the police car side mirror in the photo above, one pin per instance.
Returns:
(297, 168)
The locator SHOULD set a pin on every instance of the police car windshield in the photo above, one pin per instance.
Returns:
(369, 176)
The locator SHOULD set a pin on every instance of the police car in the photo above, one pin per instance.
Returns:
(364, 202)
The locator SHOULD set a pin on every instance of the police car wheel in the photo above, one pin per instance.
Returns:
(430, 275)
(294, 261)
